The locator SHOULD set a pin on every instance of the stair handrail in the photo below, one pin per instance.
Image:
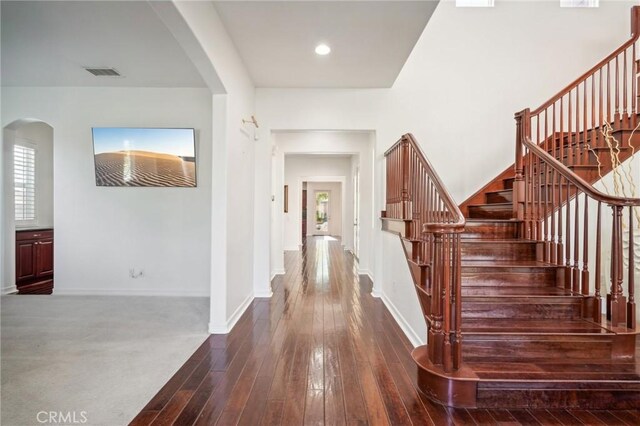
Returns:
(459, 221)
(576, 180)
(416, 194)
(555, 207)
(635, 34)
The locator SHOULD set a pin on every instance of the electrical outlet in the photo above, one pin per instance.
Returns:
(136, 274)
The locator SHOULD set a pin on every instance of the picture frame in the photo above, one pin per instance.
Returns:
(286, 198)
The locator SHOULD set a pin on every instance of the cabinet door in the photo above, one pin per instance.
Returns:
(44, 258)
(25, 260)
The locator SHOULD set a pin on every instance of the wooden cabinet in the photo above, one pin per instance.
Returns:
(34, 261)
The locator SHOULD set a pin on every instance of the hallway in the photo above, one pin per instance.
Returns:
(322, 350)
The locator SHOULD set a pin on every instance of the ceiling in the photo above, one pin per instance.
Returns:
(370, 40)
(48, 43)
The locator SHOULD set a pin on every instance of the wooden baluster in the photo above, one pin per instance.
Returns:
(560, 156)
(616, 309)
(585, 247)
(545, 210)
(538, 195)
(634, 90)
(446, 303)
(616, 117)
(576, 140)
(457, 349)
(569, 274)
(631, 305)
(597, 312)
(593, 135)
(609, 117)
(553, 255)
(584, 153)
(600, 112)
(570, 155)
(576, 245)
(560, 251)
(625, 112)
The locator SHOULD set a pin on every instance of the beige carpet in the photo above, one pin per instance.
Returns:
(104, 356)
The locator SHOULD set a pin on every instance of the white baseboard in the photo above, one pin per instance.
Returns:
(124, 292)
(9, 290)
(375, 293)
(233, 319)
(264, 293)
(277, 272)
(402, 322)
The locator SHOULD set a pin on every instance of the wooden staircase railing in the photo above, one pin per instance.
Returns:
(554, 143)
(416, 195)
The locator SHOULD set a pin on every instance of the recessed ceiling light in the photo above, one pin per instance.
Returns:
(323, 49)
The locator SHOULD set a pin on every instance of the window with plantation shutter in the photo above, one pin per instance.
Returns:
(24, 177)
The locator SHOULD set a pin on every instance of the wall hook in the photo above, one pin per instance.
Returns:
(252, 121)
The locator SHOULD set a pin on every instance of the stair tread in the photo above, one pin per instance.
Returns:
(501, 205)
(506, 263)
(480, 220)
(471, 290)
(498, 241)
(528, 326)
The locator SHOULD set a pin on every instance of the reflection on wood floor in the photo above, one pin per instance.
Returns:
(322, 350)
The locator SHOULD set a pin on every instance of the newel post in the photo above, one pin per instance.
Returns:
(616, 301)
(405, 195)
(522, 128)
(635, 20)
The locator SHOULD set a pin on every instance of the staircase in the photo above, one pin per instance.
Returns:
(511, 282)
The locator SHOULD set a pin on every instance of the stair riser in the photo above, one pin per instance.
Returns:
(508, 183)
(412, 249)
(484, 213)
(590, 399)
(502, 231)
(500, 197)
(498, 251)
(521, 310)
(544, 348)
(544, 278)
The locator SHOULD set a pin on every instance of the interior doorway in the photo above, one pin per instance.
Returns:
(322, 216)
(356, 212)
(303, 208)
(27, 198)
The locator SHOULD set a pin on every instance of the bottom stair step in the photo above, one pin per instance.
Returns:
(602, 395)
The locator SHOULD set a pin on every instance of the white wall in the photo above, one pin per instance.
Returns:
(233, 214)
(298, 168)
(470, 71)
(100, 233)
(359, 144)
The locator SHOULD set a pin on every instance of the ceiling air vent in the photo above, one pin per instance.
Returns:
(103, 72)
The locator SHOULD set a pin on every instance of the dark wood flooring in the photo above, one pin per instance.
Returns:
(322, 350)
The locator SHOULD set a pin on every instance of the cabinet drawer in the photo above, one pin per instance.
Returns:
(34, 235)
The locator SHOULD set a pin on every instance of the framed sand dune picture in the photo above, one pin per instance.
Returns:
(144, 157)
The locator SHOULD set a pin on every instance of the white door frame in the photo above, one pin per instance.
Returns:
(340, 179)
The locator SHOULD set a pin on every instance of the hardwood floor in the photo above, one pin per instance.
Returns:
(322, 350)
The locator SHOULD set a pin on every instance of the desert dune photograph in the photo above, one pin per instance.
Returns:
(144, 157)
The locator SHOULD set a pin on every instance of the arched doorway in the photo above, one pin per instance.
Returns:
(27, 206)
